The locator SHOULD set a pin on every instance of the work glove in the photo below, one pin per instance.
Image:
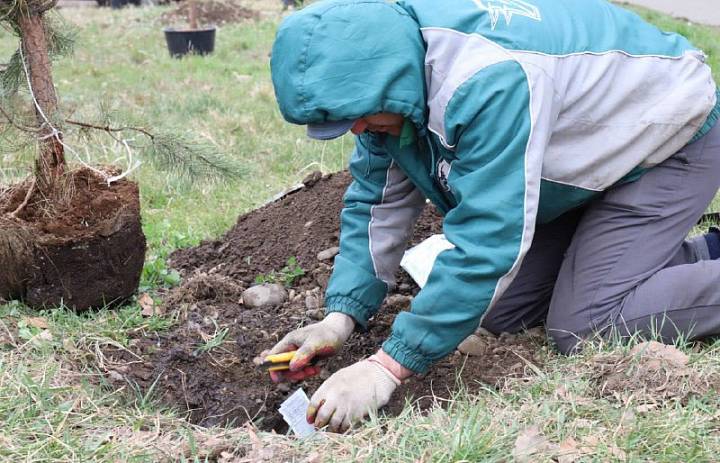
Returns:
(351, 394)
(318, 340)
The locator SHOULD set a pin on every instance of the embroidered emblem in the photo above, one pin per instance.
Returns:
(507, 8)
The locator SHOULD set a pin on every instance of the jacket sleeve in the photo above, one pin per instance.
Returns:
(495, 178)
(381, 206)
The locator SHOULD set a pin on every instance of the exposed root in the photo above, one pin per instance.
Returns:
(15, 255)
(28, 195)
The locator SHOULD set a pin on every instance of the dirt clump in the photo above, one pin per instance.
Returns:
(204, 364)
(209, 13)
(652, 372)
(202, 286)
(85, 249)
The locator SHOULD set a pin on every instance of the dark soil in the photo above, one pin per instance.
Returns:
(209, 13)
(84, 248)
(223, 385)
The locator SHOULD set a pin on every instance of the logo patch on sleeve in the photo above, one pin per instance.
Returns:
(508, 8)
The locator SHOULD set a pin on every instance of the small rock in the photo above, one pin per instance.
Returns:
(399, 300)
(328, 253)
(325, 374)
(482, 332)
(473, 346)
(321, 277)
(192, 325)
(115, 376)
(283, 387)
(291, 294)
(308, 224)
(536, 333)
(312, 302)
(315, 314)
(264, 295)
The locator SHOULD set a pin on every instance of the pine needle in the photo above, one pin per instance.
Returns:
(191, 160)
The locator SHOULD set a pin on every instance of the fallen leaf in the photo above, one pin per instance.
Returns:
(44, 335)
(210, 447)
(314, 457)
(147, 304)
(645, 408)
(617, 452)
(591, 443)
(36, 322)
(259, 452)
(627, 421)
(530, 442)
(570, 397)
(569, 451)
(591, 440)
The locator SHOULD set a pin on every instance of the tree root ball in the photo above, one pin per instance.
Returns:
(84, 248)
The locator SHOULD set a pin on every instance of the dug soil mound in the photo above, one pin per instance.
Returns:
(209, 13)
(204, 364)
(84, 247)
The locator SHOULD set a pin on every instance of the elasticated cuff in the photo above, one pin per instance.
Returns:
(348, 306)
(405, 356)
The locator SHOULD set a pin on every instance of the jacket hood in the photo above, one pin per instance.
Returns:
(345, 59)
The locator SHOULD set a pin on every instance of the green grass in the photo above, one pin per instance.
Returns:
(55, 406)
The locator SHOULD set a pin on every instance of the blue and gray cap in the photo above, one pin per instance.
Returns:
(329, 130)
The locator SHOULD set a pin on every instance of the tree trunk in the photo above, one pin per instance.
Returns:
(193, 14)
(50, 164)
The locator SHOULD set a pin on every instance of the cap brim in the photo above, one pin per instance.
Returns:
(328, 130)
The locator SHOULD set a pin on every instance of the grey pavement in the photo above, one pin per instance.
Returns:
(698, 11)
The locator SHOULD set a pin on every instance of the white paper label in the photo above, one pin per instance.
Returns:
(294, 410)
(418, 261)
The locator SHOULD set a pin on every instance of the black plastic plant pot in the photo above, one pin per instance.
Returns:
(117, 4)
(198, 41)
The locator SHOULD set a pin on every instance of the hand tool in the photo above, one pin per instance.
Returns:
(278, 362)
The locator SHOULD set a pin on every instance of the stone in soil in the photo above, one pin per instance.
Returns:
(264, 295)
(223, 385)
(473, 345)
(328, 253)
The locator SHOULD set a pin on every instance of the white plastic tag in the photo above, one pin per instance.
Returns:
(418, 261)
(294, 410)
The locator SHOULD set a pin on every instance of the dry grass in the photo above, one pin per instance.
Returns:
(55, 405)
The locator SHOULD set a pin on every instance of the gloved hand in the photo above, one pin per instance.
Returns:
(350, 394)
(321, 339)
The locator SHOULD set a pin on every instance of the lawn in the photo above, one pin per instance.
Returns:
(54, 404)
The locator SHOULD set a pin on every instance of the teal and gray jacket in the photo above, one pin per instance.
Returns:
(517, 112)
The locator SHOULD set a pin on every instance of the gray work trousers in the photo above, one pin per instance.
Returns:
(622, 265)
